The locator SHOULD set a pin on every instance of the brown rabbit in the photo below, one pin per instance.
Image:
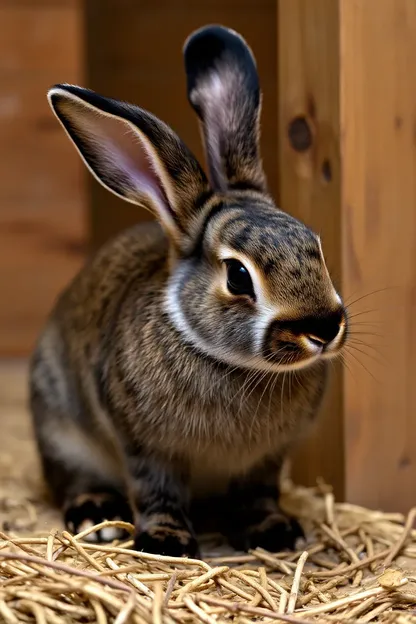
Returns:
(188, 356)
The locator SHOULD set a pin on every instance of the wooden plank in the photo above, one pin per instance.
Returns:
(42, 216)
(309, 180)
(144, 64)
(39, 255)
(37, 165)
(378, 93)
(36, 37)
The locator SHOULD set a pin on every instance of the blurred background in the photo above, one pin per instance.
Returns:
(339, 148)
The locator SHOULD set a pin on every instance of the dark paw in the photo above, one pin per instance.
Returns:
(172, 542)
(88, 510)
(276, 532)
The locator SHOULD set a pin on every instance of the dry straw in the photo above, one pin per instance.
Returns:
(356, 566)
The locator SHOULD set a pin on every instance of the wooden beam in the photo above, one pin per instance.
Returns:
(310, 181)
(347, 166)
(378, 92)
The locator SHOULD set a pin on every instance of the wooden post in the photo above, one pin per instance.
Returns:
(347, 166)
(309, 179)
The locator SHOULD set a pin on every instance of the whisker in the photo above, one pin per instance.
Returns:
(346, 299)
(369, 355)
(258, 382)
(215, 384)
(253, 378)
(271, 395)
(277, 377)
(351, 316)
(365, 344)
(347, 366)
(246, 385)
(258, 404)
(282, 394)
(367, 323)
(364, 367)
(361, 333)
(374, 292)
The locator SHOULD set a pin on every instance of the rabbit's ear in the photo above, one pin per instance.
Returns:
(223, 88)
(134, 155)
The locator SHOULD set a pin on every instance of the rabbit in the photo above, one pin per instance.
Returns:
(190, 354)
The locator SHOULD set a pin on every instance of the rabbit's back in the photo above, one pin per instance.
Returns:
(65, 367)
(88, 306)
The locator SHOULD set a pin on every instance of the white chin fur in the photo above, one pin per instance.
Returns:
(178, 318)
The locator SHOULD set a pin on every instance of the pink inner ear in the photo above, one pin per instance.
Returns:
(121, 153)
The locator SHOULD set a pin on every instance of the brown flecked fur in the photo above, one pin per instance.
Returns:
(130, 403)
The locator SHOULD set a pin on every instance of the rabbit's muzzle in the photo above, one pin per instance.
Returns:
(301, 341)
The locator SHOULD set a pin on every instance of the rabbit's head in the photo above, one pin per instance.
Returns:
(248, 284)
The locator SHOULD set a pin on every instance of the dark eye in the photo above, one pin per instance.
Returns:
(238, 279)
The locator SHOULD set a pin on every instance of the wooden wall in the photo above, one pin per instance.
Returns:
(42, 211)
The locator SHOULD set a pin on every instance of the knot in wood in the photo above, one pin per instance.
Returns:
(300, 134)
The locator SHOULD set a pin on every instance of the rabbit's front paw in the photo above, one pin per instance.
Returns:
(88, 510)
(275, 532)
(167, 537)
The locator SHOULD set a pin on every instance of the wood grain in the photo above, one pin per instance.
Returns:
(42, 214)
(378, 93)
(310, 183)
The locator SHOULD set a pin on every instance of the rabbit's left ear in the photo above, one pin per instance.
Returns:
(136, 156)
(223, 88)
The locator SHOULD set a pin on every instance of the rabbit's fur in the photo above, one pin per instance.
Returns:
(156, 383)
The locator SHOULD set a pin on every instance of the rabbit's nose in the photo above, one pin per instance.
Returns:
(325, 331)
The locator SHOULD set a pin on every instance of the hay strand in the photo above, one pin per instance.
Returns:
(59, 578)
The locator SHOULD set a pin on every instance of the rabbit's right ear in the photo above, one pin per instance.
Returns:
(223, 88)
(134, 155)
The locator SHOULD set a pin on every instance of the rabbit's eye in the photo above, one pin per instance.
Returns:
(238, 279)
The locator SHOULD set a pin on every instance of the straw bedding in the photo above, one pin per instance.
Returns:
(356, 565)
